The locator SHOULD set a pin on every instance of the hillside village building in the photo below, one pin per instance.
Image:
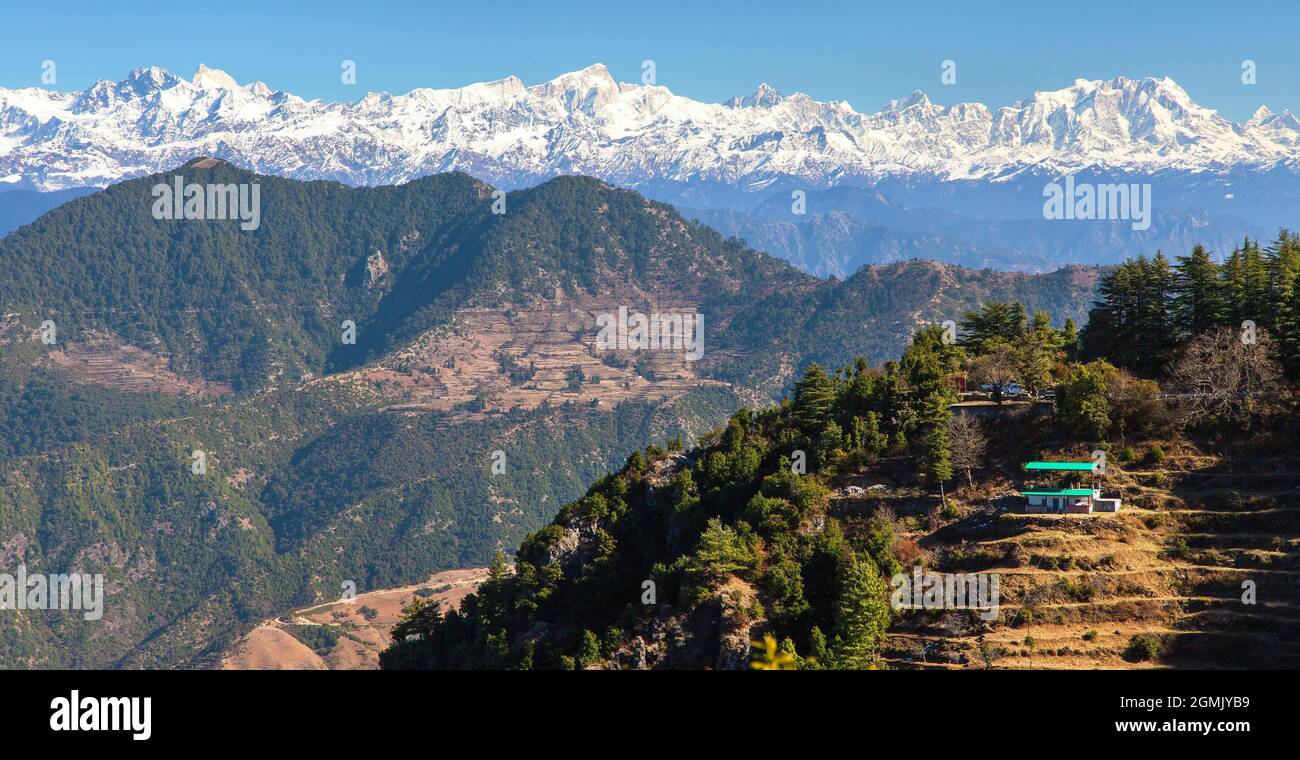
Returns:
(1069, 498)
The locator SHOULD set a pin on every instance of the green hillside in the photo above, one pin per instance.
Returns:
(784, 530)
(370, 462)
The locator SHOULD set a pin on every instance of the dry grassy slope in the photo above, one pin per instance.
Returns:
(106, 361)
(270, 646)
(1075, 589)
(447, 367)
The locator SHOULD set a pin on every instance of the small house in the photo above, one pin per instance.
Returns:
(1064, 500)
(1070, 498)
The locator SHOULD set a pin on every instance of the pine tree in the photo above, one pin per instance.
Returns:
(899, 410)
(867, 436)
(814, 395)
(499, 569)
(862, 391)
(861, 616)
(817, 647)
(1036, 355)
(1198, 305)
(1288, 335)
(1131, 324)
(1111, 322)
(1283, 258)
(588, 649)
(1070, 340)
(1258, 288)
(995, 322)
(1246, 285)
(1155, 329)
(929, 364)
(1233, 282)
(936, 451)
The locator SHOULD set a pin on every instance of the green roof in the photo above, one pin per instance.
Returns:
(1062, 466)
(1065, 492)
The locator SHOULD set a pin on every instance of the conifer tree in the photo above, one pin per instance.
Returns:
(861, 616)
(1155, 330)
(995, 322)
(1283, 258)
(936, 445)
(813, 396)
(1198, 304)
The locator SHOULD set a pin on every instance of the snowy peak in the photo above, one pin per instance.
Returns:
(213, 79)
(917, 98)
(586, 90)
(763, 97)
(1263, 117)
(145, 80)
(586, 122)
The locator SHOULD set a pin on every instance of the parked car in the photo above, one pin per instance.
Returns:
(1008, 389)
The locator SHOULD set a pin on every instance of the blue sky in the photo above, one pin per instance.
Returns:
(865, 53)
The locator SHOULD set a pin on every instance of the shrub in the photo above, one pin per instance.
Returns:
(319, 638)
(1177, 549)
(722, 551)
(1079, 592)
(1144, 647)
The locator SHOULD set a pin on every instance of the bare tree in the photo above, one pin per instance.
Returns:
(997, 367)
(1225, 376)
(969, 444)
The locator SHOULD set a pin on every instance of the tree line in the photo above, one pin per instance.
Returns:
(1149, 308)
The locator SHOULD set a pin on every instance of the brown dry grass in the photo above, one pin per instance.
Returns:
(270, 647)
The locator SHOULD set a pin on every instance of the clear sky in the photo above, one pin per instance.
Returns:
(862, 52)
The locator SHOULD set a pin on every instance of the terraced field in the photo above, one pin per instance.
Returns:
(523, 357)
(1166, 582)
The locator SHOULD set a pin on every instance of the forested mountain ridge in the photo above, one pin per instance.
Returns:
(843, 229)
(260, 307)
(372, 463)
(242, 306)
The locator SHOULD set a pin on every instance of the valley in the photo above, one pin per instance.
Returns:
(325, 462)
(474, 402)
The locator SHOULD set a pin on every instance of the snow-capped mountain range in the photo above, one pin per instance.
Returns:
(585, 122)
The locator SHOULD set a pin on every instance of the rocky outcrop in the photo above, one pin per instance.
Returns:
(376, 268)
(714, 634)
(575, 546)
